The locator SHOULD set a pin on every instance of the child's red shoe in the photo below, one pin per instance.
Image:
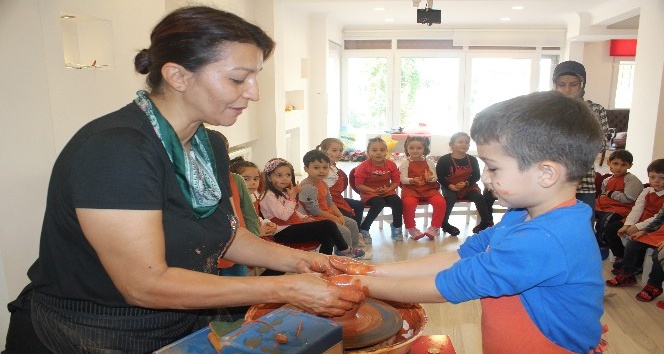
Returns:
(649, 293)
(660, 304)
(621, 280)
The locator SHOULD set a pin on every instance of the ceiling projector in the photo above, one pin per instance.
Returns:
(428, 16)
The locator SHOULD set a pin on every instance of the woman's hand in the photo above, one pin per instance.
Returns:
(350, 266)
(317, 295)
(453, 187)
(314, 262)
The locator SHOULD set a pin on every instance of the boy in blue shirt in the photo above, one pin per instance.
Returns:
(538, 272)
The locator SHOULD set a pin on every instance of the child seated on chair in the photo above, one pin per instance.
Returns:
(279, 204)
(542, 251)
(618, 194)
(337, 182)
(458, 174)
(647, 205)
(377, 179)
(419, 183)
(653, 288)
(251, 175)
(316, 200)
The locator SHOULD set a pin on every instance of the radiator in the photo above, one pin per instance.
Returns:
(245, 152)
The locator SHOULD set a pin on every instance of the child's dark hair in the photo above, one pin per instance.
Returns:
(270, 166)
(238, 166)
(656, 166)
(325, 144)
(375, 140)
(456, 136)
(542, 126)
(425, 143)
(315, 155)
(622, 155)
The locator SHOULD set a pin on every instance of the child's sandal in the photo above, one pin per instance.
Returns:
(649, 293)
(621, 280)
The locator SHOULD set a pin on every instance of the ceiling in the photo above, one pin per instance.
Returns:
(362, 14)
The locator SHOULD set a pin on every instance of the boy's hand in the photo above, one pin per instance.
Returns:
(622, 232)
(341, 220)
(636, 235)
(660, 246)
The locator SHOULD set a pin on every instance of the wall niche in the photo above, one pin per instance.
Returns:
(87, 41)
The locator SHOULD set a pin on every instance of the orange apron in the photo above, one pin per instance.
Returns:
(606, 204)
(377, 181)
(337, 190)
(462, 174)
(653, 204)
(508, 329)
(429, 189)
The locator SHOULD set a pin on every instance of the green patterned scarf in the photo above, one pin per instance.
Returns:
(196, 171)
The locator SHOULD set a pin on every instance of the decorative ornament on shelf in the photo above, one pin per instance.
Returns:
(289, 108)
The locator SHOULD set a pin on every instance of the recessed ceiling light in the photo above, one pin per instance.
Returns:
(64, 17)
(389, 20)
(505, 19)
(379, 9)
(518, 7)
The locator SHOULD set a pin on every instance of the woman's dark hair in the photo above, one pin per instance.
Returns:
(194, 37)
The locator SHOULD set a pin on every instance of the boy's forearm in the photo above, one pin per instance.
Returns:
(409, 290)
(425, 266)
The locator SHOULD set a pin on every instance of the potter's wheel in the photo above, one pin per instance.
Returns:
(374, 322)
(412, 316)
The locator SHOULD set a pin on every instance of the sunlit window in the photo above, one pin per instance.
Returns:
(497, 79)
(368, 94)
(429, 96)
(625, 84)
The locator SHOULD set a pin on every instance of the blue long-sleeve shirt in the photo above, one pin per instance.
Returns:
(551, 262)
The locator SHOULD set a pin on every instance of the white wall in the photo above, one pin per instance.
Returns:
(44, 103)
(599, 72)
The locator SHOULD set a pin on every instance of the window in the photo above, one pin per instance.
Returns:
(433, 86)
(624, 84)
(367, 94)
(429, 94)
(495, 79)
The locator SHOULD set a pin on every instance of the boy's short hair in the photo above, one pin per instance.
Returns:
(315, 155)
(622, 155)
(656, 166)
(542, 126)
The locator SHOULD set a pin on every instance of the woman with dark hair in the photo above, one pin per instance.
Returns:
(138, 207)
(569, 78)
